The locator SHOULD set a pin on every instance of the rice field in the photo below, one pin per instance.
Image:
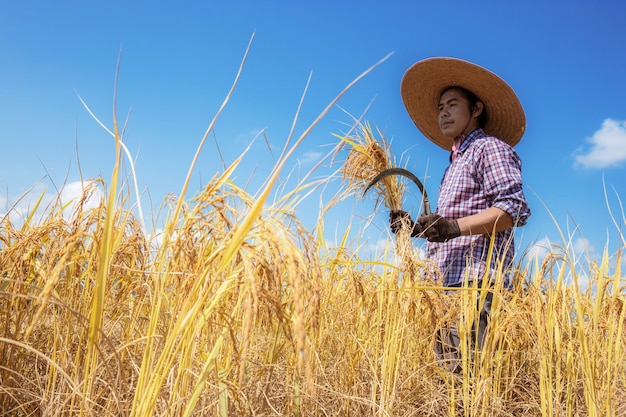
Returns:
(240, 310)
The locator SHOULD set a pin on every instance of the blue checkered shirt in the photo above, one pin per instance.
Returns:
(486, 173)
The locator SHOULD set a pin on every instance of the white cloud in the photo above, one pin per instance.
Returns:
(608, 146)
(310, 157)
(73, 192)
(580, 255)
(583, 247)
(381, 246)
(68, 197)
(540, 249)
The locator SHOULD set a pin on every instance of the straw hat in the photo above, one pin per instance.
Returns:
(424, 82)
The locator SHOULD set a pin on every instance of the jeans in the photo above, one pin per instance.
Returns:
(448, 341)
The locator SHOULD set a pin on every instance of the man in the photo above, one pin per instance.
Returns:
(474, 114)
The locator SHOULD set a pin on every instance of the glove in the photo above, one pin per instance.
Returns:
(399, 219)
(436, 228)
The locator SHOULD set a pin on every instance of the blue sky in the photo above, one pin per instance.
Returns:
(565, 60)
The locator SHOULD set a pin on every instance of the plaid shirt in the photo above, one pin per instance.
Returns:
(486, 173)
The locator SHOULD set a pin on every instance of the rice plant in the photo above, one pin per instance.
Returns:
(369, 156)
(242, 311)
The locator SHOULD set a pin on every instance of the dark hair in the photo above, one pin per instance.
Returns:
(472, 99)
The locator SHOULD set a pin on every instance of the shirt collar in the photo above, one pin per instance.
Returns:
(462, 142)
(470, 137)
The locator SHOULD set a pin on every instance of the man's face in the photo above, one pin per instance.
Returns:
(455, 116)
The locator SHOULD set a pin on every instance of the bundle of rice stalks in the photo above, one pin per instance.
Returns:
(368, 158)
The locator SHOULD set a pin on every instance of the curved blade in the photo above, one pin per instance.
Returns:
(404, 173)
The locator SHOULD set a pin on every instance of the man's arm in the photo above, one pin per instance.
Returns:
(484, 222)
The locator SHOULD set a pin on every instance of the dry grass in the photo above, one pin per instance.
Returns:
(238, 311)
(281, 329)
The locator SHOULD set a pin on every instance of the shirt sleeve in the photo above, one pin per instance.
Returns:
(502, 180)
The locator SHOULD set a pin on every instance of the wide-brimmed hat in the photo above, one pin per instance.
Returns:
(424, 82)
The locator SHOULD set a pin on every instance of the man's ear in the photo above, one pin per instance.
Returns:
(478, 109)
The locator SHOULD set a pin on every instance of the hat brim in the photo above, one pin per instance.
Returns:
(424, 82)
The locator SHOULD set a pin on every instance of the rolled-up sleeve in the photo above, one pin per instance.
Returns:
(503, 181)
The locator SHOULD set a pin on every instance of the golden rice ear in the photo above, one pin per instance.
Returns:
(367, 158)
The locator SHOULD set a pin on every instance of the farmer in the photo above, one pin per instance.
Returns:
(475, 115)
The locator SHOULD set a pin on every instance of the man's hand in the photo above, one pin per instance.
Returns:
(438, 229)
(400, 219)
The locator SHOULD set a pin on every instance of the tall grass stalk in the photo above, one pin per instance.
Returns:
(106, 250)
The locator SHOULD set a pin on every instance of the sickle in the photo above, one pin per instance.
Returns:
(404, 173)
